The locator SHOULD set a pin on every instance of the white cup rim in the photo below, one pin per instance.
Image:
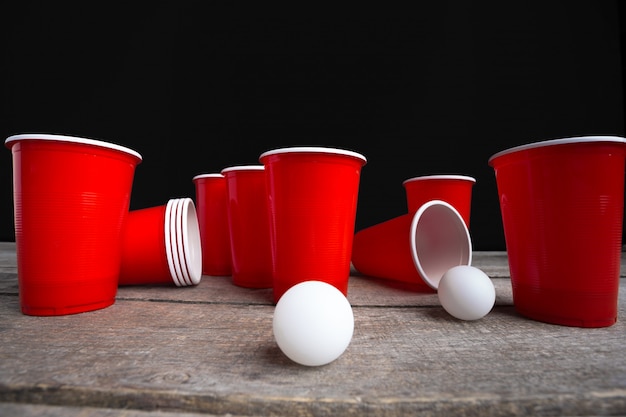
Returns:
(72, 139)
(183, 203)
(243, 168)
(169, 209)
(211, 175)
(313, 149)
(175, 237)
(440, 177)
(561, 141)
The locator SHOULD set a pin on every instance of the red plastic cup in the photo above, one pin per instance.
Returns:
(414, 248)
(313, 195)
(150, 238)
(71, 200)
(144, 258)
(249, 228)
(211, 201)
(562, 205)
(454, 189)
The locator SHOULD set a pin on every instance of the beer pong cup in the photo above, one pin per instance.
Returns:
(562, 203)
(313, 195)
(248, 223)
(414, 248)
(211, 200)
(453, 189)
(71, 200)
(144, 259)
(149, 235)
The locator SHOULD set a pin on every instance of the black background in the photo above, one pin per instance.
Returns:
(431, 90)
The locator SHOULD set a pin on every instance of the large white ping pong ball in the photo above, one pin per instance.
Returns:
(313, 323)
(466, 292)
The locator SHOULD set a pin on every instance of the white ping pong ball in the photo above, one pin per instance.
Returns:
(313, 323)
(466, 292)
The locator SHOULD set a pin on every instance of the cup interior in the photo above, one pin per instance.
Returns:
(440, 240)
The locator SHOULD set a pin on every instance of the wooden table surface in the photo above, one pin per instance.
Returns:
(209, 349)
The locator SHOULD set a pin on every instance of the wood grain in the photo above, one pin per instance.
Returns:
(210, 349)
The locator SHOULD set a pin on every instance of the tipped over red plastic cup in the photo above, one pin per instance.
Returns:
(414, 248)
(144, 259)
(151, 237)
(71, 200)
(248, 224)
(211, 207)
(312, 197)
(453, 189)
(562, 203)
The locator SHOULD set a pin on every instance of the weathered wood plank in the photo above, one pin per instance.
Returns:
(210, 349)
(37, 410)
(220, 358)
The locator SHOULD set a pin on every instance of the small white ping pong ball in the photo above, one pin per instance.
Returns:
(466, 292)
(313, 323)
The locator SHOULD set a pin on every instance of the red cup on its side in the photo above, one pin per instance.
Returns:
(313, 194)
(147, 247)
(414, 248)
(453, 189)
(562, 206)
(248, 223)
(144, 258)
(211, 201)
(71, 200)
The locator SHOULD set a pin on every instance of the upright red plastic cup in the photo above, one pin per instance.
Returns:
(211, 201)
(313, 194)
(562, 205)
(248, 223)
(453, 189)
(71, 200)
(414, 248)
